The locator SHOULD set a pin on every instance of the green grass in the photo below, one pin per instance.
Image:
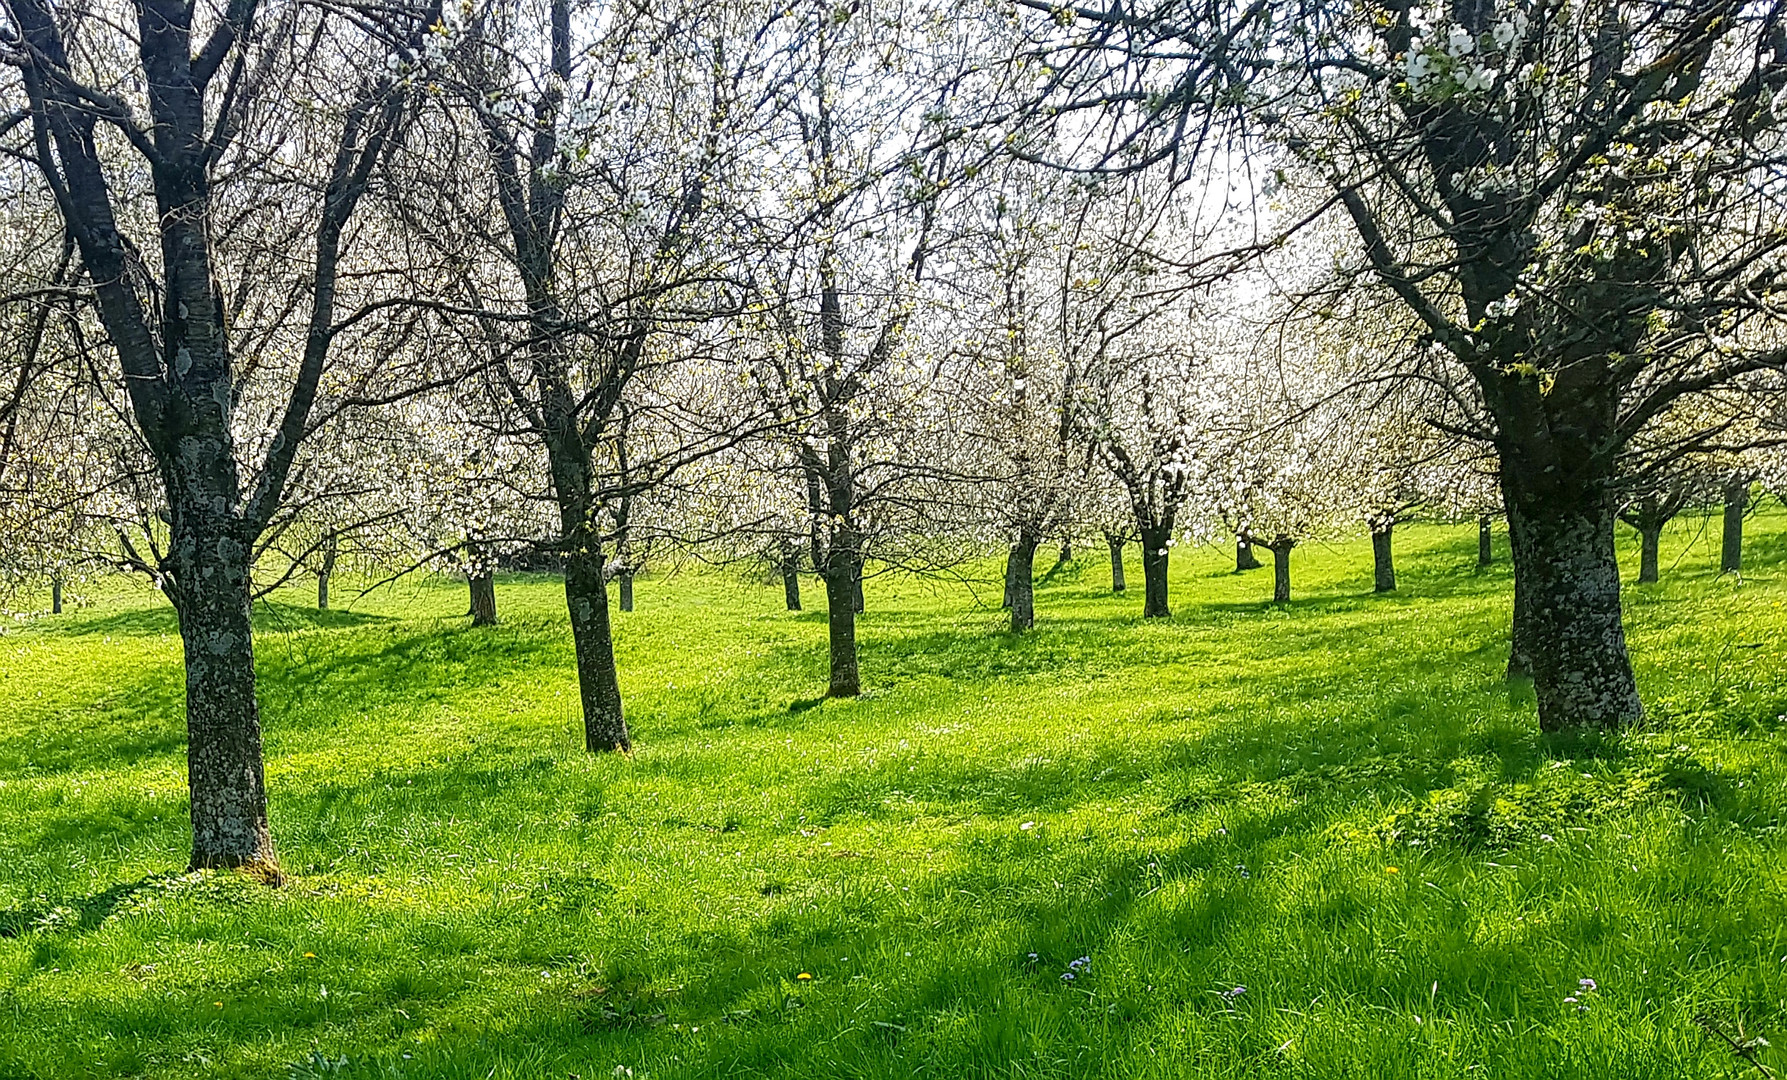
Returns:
(1337, 804)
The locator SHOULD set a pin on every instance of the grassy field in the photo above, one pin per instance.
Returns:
(1316, 840)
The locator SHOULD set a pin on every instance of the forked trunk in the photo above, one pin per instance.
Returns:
(1731, 551)
(223, 721)
(1382, 560)
(1649, 540)
(1154, 573)
(1485, 549)
(1019, 584)
(1244, 556)
(1116, 546)
(1281, 568)
(1567, 593)
(598, 681)
(841, 584)
(626, 590)
(483, 589)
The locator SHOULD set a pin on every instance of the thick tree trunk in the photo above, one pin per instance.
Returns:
(626, 590)
(840, 604)
(56, 595)
(325, 572)
(1649, 538)
(483, 589)
(1567, 578)
(1116, 545)
(1281, 568)
(223, 721)
(1485, 549)
(1731, 551)
(1244, 556)
(598, 680)
(1019, 584)
(1154, 573)
(1382, 560)
(791, 582)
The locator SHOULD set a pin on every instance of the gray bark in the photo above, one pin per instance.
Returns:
(1244, 556)
(1649, 542)
(598, 680)
(325, 572)
(56, 596)
(483, 590)
(1281, 567)
(1118, 584)
(791, 581)
(1382, 559)
(1018, 581)
(1731, 549)
(1485, 548)
(841, 584)
(1154, 573)
(626, 590)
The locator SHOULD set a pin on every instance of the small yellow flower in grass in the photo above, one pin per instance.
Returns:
(804, 977)
(219, 1004)
(310, 956)
(1392, 870)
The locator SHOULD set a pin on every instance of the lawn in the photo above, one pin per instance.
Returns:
(1321, 839)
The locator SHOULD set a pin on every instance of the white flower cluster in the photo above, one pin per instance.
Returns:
(1444, 60)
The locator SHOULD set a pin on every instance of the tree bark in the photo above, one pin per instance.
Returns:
(856, 597)
(841, 583)
(1019, 568)
(791, 582)
(223, 721)
(598, 680)
(1118, 584)
(1281, 567)
(1649, 541)
(56, 595)
(626, 590)
(1010, 558)
(1154, 573)
(325, 572)
(1485, 549)
(1567, 594)
(483, 589)
(1244, 556)
(1066, 552)
(1731, 551)
(1382, 560)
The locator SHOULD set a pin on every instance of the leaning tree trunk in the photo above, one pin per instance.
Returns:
(598, 680)
(1018, 581)
(1281, 568)
(483, 589)
(1382, 560)
(841, 583)
(1485, 549)
(56, 595)
(1649, 538)
(1731, 551)
(210, 569)
(325, 572)
(1154, 573)
(1116, 545)
(1244, 556)
(626, 589)
(1566, 566)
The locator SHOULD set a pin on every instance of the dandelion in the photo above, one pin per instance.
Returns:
(310, 956)
(804, 977)
(1392, 869)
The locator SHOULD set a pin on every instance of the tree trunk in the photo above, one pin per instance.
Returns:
(1244, 557)
(598, 680)
(1566, 573)
(1116, 546)
(1010, 558)
(1154, 573)
(840, 604)
(1731, 552)
(56, 595)
(1383, 562)
(1485, 550)
(483, 586)
(626, 590)
(223, 722)
(791, 581)
(327, 570)
(1066, 552)
(856, 597)
(1019, 584)
(1649, 537)
(1281, 568)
